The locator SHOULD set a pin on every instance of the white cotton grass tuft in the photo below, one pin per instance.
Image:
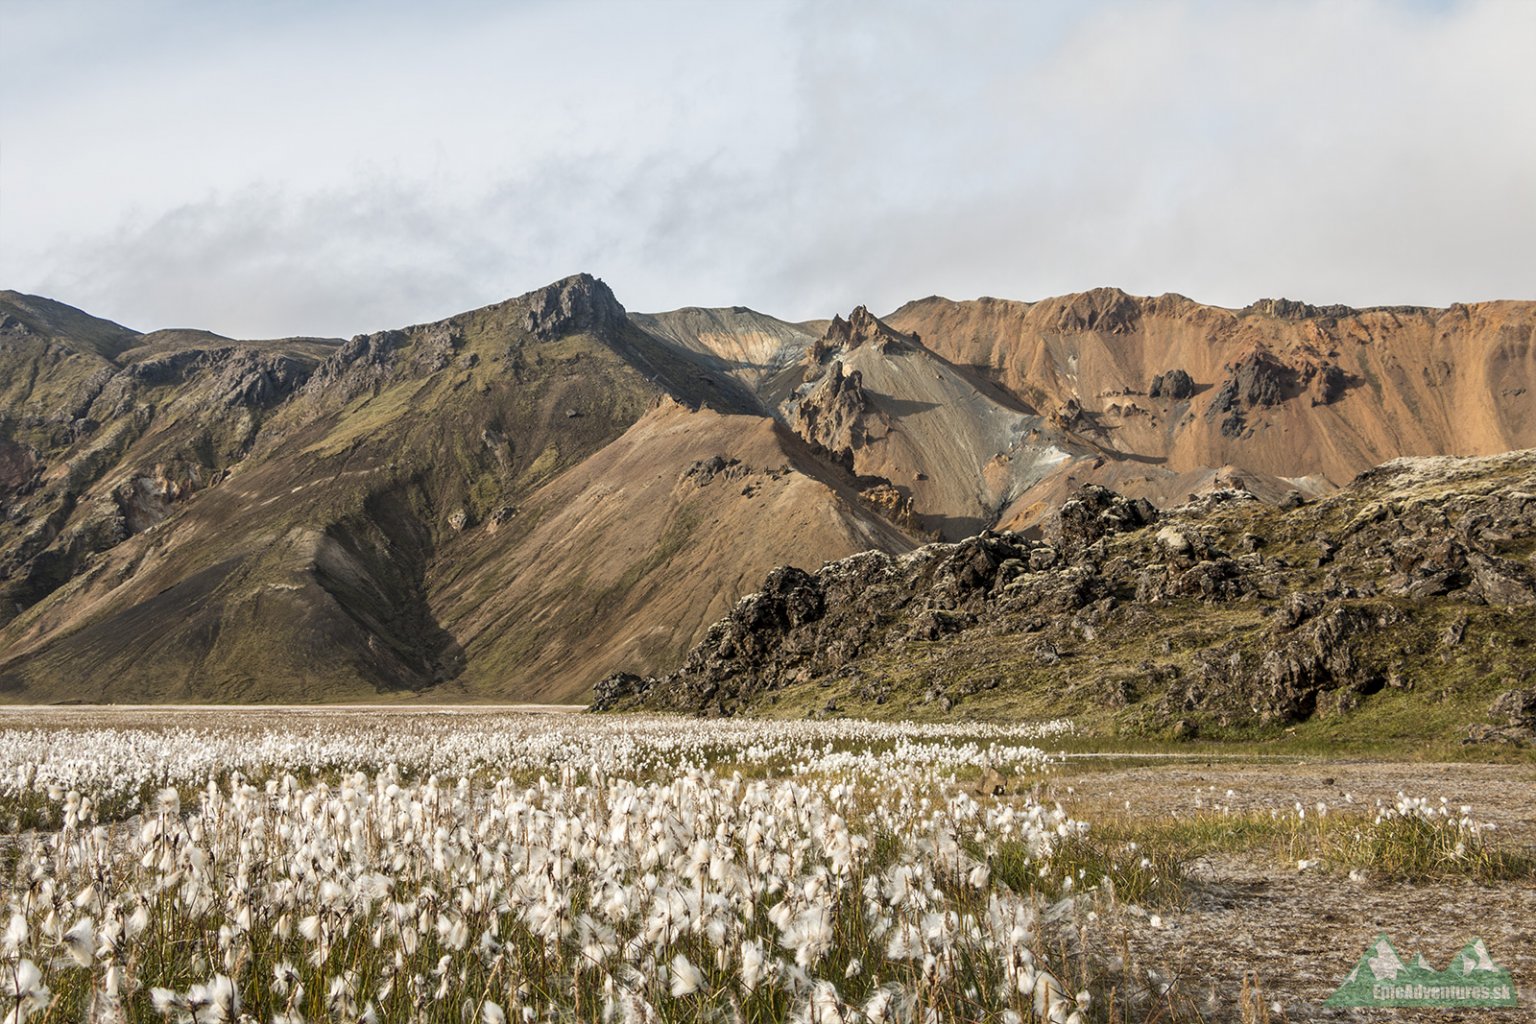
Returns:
(22, 990)
(80, 942)
(16, 933)
(686, 978)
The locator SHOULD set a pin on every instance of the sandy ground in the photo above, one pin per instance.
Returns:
(1301, 932)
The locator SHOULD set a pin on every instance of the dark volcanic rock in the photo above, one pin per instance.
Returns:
(1175, 384)
(803, 624)
(1260, 379)
(1265, 637)
(578, 303)
(614, 688)
(1502, 581)
(1286, 680)
(1094, 513)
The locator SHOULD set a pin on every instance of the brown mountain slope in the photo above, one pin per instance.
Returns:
(973, 414)
(1279, 389)
(628, 557)
(103, 430)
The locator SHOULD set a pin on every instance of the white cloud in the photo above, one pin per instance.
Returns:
(334, 168)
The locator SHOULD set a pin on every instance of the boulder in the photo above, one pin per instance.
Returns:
(1515, 708)
(1175, 385)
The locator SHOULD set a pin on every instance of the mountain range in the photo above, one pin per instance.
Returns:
(513, 502)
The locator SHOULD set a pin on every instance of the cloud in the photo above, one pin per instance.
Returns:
(310, 170)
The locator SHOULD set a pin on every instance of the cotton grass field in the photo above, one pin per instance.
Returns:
(484, 866)
(523, 867)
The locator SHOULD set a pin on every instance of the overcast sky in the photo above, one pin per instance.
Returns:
(329, 168)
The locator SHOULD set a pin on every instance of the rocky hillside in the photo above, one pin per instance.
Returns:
(515, 501)
(1413, 588)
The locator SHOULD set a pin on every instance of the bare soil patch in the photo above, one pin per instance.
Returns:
(1300, 932)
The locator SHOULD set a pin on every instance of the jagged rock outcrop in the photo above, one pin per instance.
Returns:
(802, 624)
(578, 303)
(1291, 309)
(1224, 613)
(1175, 385)
(831, 414)
(1094, 513)
(358, 366)
(1318, 664)
(896, 507)
(861, 328)
(1259, 379)
(1326, 383)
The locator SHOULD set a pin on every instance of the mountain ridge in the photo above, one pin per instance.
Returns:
(175, 500)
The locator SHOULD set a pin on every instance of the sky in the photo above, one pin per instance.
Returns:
(331, 168)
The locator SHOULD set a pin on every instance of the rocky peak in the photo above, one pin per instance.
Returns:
(830, 415)
(578, 303)
(1291, 309)
(862, 327)
(1102, 310)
